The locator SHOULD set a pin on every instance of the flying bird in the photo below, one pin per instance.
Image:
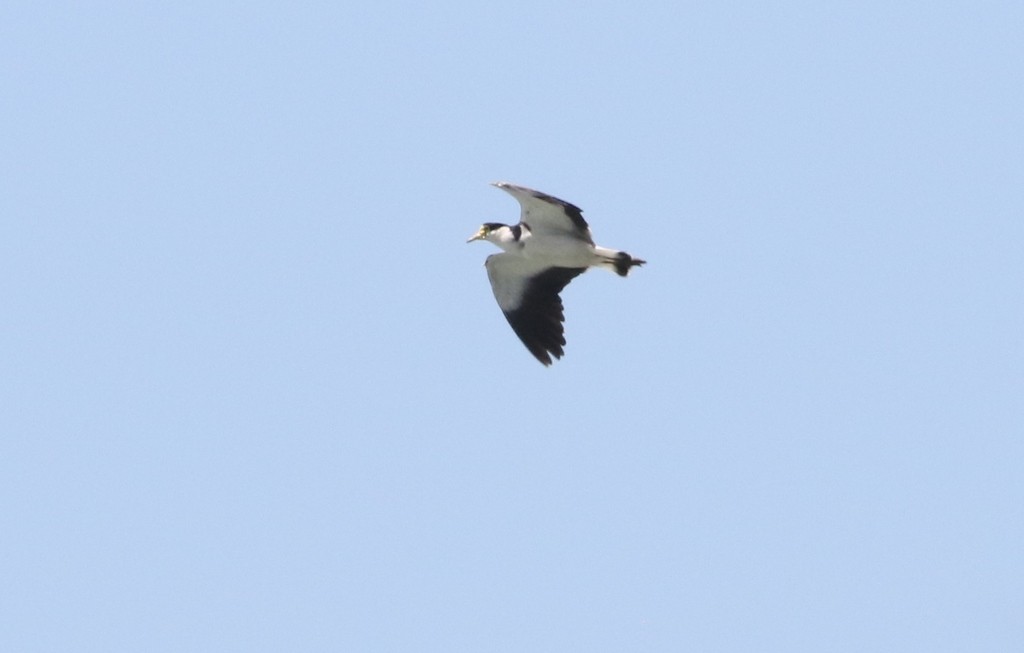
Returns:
(549, 247)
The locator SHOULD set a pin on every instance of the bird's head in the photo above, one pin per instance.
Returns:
(489, 231)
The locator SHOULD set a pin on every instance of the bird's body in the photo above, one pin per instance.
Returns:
(549, 247)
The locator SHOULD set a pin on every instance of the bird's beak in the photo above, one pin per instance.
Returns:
(477, 236)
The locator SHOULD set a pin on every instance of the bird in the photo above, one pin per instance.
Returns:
(549, 247)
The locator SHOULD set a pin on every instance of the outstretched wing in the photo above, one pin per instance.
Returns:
(546, 214)
(527, 293)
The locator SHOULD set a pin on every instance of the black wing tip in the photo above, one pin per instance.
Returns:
(538, 321)
(544, 357)
(540, 332)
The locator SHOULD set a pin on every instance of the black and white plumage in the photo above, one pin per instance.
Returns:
(549, 247)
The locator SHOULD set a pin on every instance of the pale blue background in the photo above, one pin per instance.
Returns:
(256, 394)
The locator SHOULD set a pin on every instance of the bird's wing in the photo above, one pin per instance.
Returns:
(544, 213)
(527, 293)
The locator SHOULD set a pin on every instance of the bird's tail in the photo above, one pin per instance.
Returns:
(618, 262)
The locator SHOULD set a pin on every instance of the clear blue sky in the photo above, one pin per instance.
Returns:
(257, 396)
